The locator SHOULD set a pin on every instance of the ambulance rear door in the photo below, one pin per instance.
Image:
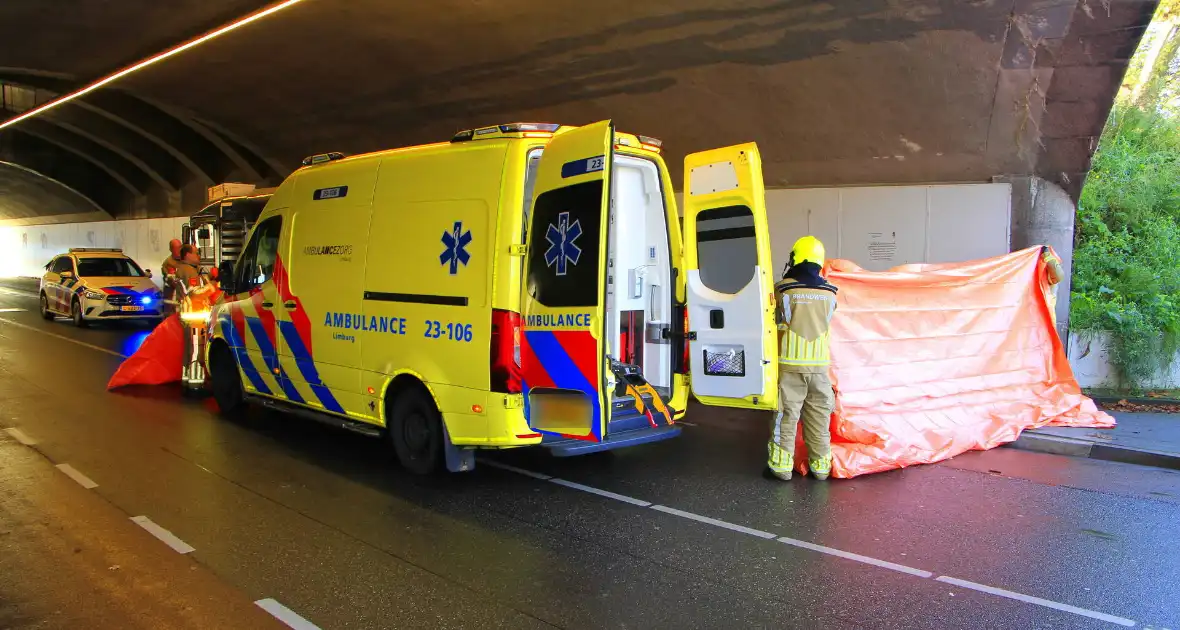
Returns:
(732, 334)
(563, 300)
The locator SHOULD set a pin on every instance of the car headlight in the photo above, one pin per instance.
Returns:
(94, 295)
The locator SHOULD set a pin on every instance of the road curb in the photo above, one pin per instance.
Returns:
(1146, 402)
(1055, 445)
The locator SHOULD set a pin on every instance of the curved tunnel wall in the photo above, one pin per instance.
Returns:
(131, 158)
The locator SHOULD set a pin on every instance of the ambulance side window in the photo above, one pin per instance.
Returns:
(258, 261)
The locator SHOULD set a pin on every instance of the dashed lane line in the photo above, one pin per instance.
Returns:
(73, 473)
(165, 536)
(884, 564)
(1029, 599)
(601, 493)
(802, 544)
(285, 615)
(712, 521)
(62, 337)
(20, 436)
(514, 469)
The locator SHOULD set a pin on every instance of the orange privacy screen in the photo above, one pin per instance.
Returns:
(929, 361)
(158, 361)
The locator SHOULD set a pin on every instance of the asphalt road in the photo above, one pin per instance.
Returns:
(684, 533)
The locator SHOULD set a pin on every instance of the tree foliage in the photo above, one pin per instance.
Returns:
(1127, 243)
(1127, 254)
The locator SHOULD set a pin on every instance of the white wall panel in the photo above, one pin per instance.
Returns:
(24, 250)
(879, 227)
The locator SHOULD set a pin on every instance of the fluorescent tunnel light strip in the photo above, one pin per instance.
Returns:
(149, 61)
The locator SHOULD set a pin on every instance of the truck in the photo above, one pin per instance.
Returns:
(219, 229)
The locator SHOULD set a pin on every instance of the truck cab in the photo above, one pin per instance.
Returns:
(219, 229)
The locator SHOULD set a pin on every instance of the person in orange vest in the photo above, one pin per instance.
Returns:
(806, 302)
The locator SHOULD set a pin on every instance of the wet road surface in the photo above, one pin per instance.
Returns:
(684, 533)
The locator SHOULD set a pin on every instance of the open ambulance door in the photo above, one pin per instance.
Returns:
(563, 302)
(732, 336)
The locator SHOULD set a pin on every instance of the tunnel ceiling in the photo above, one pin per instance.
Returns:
(842, 92)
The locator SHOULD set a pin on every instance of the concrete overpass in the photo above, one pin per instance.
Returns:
(845, 92)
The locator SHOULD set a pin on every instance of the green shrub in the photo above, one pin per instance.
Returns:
(1127, 243)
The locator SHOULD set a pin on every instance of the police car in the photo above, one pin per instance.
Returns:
(89, 285)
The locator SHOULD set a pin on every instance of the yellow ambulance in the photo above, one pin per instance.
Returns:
(503, 289)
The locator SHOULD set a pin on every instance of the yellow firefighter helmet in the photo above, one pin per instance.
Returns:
(808, 249)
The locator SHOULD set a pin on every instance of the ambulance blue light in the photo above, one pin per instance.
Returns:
(145, 300)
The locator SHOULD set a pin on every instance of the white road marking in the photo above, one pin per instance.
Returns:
(14, 310)
(1029, 599)
(884, 564)
(73, 473)
(165, 536)
(602, 493)
(20, 436)
(63, 338)
(712, 521)
(856, 557)
(17, 293)
(285, 615)
(519, 471)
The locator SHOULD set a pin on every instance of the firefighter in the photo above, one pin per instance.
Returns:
(168, 268)
(804, 309)
(188, 267)
(1054, 273)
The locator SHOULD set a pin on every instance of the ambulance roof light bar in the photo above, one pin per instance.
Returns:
(528, 129)
(87, 250)
(322, 158)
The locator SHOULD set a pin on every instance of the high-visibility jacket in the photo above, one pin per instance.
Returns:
(804, 313)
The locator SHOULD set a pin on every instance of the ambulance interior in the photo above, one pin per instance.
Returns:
(639, 272)
(639, 287)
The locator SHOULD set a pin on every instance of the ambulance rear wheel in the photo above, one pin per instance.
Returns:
(415, 429)
(226, 381)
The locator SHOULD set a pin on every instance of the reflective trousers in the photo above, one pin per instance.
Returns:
(808, 397)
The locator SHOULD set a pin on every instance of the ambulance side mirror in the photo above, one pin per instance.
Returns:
(225, 276)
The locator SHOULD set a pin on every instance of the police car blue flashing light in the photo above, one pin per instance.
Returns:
(145, 300)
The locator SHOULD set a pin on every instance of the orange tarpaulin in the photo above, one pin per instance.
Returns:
(930, 361)
(159, 359)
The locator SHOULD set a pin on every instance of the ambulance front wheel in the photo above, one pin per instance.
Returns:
(45, 312)
(415, 429)
(225, 380)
